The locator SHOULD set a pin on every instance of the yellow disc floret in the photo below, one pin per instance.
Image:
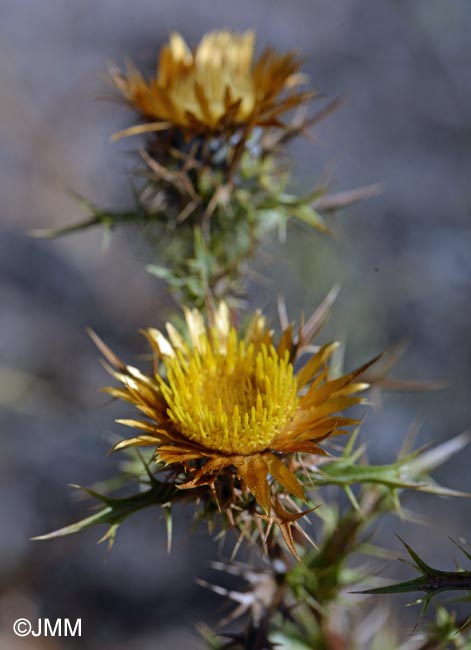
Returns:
(234, 399)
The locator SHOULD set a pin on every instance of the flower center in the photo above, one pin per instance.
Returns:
(233, 397)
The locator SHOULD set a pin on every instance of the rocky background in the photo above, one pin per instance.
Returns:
(402, 260)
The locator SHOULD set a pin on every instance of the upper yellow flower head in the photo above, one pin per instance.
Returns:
(215, 87)
(221, 405)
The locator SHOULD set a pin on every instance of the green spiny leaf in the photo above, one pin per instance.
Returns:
(432, 581)
(116, 509)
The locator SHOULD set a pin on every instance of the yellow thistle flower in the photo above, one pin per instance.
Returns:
(225, 405)
(216, 87)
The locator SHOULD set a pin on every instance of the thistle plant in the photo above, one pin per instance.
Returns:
(233, 415)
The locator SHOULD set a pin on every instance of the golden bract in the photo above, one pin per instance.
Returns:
(223, 405)
(215, 87)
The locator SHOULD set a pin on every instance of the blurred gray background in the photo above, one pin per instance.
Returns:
(402, 260)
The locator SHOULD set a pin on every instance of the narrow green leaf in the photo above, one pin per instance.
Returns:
(116, 510)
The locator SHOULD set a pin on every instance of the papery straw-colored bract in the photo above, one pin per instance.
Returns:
(223, 406)
(216, 87)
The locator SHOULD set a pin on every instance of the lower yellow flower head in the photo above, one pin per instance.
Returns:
(222, 405)
(215, 87)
